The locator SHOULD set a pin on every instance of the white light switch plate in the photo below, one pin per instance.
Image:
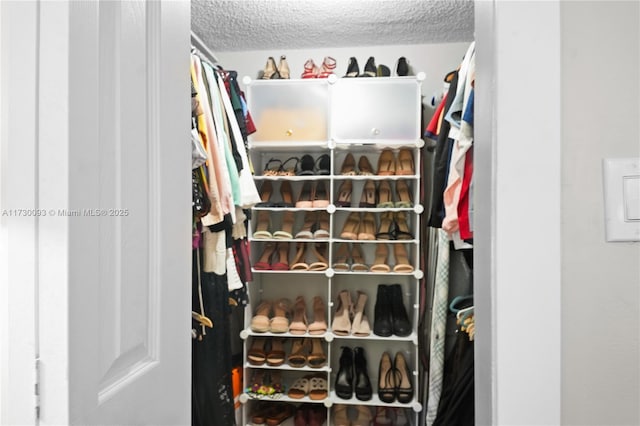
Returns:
(622, 198)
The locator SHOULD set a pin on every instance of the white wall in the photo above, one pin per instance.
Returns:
(600, 280)
(434, 59)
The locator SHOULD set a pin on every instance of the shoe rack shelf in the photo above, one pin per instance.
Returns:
(317, 156)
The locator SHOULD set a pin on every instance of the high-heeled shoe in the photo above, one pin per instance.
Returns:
(404, 165)
(266, 189)
(317, 357)
(319, 324)
(385, 230)
(286, 193)
(305, 199)
(344, 378)
(352, 70)
(344, 194)
(322, 165)
(368, 197)
(359, 264)
(401, 263)
(385, 199)
(363, 418)
(328, 65)
(317, 415)
(306, 231)
(283, 68)
(383, 71)
(382, 417)
(256, 354)
(401, 228)
(260, 319)
(404, 388)
(276, 355)
(310, 69)
(321, 231)
(380, 263)
(362, 384)
(320, 252)
(369, 68)
(286, 230)
(341, 324)
(299, 263)
(320, 196)
(364, 166)
(341, 258)
(270, 70)
(367, 230)
(403, 196)
(264, 262)
(272, 167)
(360, 326)
(383, 320)
(299, 350)
(262, 226)
(351, 227)
(386, 163)
(299, 321)
(340, 417)
(386, 380)
(282, 251)
(399, 318)
(289, 167)
(348, 165)
(402, 68)
(281, 312)
(307, 163)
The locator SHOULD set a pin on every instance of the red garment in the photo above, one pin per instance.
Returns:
(463, 204)
(433, 129)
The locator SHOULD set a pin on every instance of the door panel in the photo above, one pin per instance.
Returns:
(129, 231)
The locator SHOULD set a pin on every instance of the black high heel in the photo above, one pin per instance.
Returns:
(402, 69)
(369, 68)
(344, 379)
(323, 165)
(363, 384)
(306, 165)
(352, 70)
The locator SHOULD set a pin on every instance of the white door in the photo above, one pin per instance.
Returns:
(114, 174)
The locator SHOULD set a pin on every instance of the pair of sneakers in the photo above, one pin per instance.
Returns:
(311, 70)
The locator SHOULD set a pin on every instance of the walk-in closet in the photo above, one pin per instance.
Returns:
(333, 222)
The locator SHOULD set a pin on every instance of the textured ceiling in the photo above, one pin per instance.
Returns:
(235, 25)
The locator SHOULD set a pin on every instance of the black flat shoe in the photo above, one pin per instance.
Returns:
(362, 382)
(323, 165)
(306, 165)
(344, 379)
(352, 70)
(402, 69)
(369, 68)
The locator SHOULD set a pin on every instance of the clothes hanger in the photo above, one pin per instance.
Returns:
(464, 313)
(202, 319)
(459, 300)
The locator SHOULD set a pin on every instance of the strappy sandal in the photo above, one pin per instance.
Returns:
(256, 354)
(264, 263)
(341, 324)
(359, 264)
(266, 189)
(403, 195)
(319, 324)
(318, 388)
(360, 326)
(258, 387)
(305, 198)
(385, 230)
(386, 380)
(380, 263)
(385, 198)
(404, 388)
(367, 228)
(307, 227)
(306, 165)
(262, 226)
(401, 228)
(402, 264)
(260, 320)
(320, 251)
(286, 233)
(310, 69)
(341, 258)
(386, 163)
(344, 194)
(348, 166)
(317, 357)
(351, 227)
(368, 197)
(289, 171)
(322, 226)
(328, 65)
(272, 168)
(299, 261)
(322, 165)
(299, 321)
(276, 356)
(280, 321)
(282, 250)
(299, 350)
(320, 197)
(286, 193)
(275, 382)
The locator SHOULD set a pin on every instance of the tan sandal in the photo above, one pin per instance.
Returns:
(260, 320)
(360, 326)
(316, 358)
(318, 388)
(262, 226)
(299, 321)
(359, 264)
(402, 260)
(299, 261)
(276, 355)
(307, 227)
(380, 263)
(367, 230)
(341, 258)
(322, 231)
(341, 324)
(256, 354)
(286, 233)
(299, 350)
(320, 251)
(280, 320)
(319, 324)
(299, 388)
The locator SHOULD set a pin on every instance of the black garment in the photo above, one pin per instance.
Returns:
(441, 166)
(212, 391)
(456, 407)
(460, 284)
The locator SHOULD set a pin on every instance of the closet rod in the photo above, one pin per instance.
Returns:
(202, 48)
